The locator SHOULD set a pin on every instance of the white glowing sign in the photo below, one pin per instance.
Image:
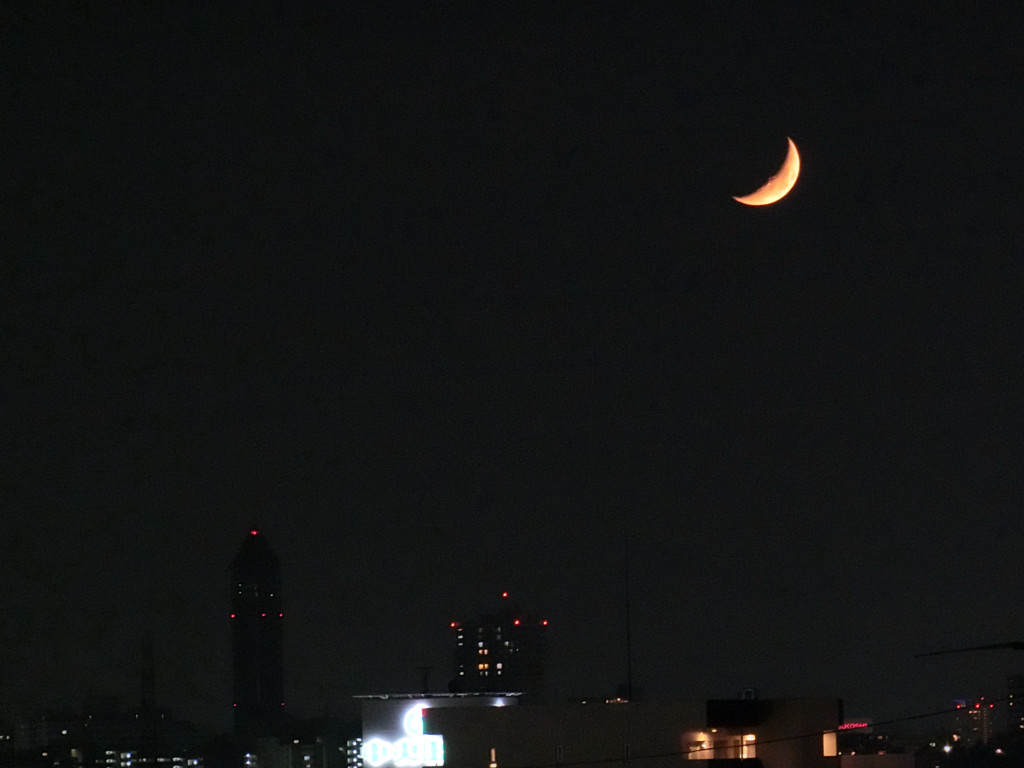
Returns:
(410, 751)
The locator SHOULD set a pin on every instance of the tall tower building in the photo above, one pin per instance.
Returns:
(502, 652)
(256, 639)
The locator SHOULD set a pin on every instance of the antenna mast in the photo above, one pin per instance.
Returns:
(629, 634)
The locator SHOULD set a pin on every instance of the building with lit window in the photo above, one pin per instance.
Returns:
(502, 651)
(974, 722)
(767, 733)
(256, 639)
(103, 733)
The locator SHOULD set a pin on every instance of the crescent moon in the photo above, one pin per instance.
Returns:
(778, 186)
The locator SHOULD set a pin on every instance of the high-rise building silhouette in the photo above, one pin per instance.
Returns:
(257, 639)
(502, 652)
(974, 721)
(148, 718)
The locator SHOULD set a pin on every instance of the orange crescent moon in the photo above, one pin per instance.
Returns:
(778, 186)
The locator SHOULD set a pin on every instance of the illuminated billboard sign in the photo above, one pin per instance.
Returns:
(412, 750)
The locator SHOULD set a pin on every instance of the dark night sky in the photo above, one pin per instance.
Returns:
(455, 301)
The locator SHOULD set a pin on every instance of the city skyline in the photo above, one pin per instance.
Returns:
(454, 301)
(248, 567)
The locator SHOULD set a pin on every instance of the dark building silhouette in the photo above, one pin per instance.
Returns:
(149, 719)
(105, 733)
(256, 639)
(502, 652)
(1015, 704)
